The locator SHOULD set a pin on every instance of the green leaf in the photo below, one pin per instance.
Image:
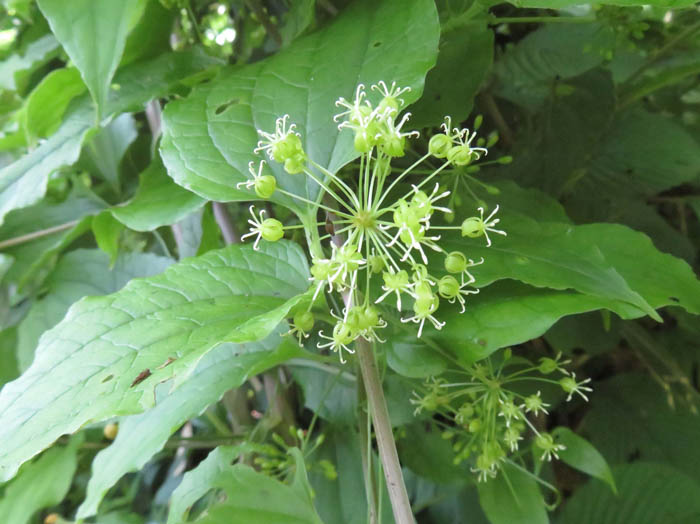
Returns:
(130, 338)
(428, 455)
(157, 202)
(79, 274)
(93, 33)
(527, 72)
(40, 484)
(470, 52)
(581, 454)
(47, 103)
(209, 137)
(409, 357)
(330, 394)
(225, 367)
(103, 153)
(648, 494)
(107, 231)
(9, 368)
(513, 497)
(558, 256)
(23, 182)
(249, 494)
(662, 279)
(630, 415)
(15, 70)
(643, 153)
(505, 314)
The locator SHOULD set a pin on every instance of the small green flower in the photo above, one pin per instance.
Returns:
(549, 448)
(270, 229)
(572, 387)
(264, 185)
(479, 226)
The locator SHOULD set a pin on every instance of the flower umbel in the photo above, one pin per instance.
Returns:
(490, 417)
(380, 220)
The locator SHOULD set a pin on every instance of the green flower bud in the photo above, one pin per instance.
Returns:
(460, 155)
(394, 145)
(475, 425)
(295, 164)
(423, 291)
(265, 186)
(465, 413)
(395, 281)
(343, 334)
(456, 262)
(448, 287)
(426, 306)
(304, 320)
(544, 441)
(548, 365)
(440, 145)
(321, 269)
(271, 230)
(286, 148)
(388, 102)
(369, 317)
(472, 227)
(376, 264)
(363, 142)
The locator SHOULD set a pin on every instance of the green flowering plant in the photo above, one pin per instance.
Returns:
(381, 229)
(489, 416)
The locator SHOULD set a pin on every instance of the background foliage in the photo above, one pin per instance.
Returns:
(124, 129)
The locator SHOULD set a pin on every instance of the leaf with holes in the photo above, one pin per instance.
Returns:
(109, 353)
(209, 137)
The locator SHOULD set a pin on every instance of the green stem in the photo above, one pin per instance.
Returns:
(384, 435)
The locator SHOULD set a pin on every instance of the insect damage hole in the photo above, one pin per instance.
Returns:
(223, 107)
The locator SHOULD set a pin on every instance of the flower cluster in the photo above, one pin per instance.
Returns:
(382, 228)
(489, 418)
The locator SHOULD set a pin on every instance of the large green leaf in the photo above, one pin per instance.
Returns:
(513, 497)
(643, 153)
(40, 484)
(554, 255)
(93, 33)
(157, 202)
(250, 496)
(507, 313)
(649, 493)
(208, 138)
(225, 367)
(106, 357)
(630, 416)
(528, 72)
(79, 274)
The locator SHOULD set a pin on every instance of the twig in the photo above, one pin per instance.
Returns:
(384, 435)
(37, 234)
(228, 229)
